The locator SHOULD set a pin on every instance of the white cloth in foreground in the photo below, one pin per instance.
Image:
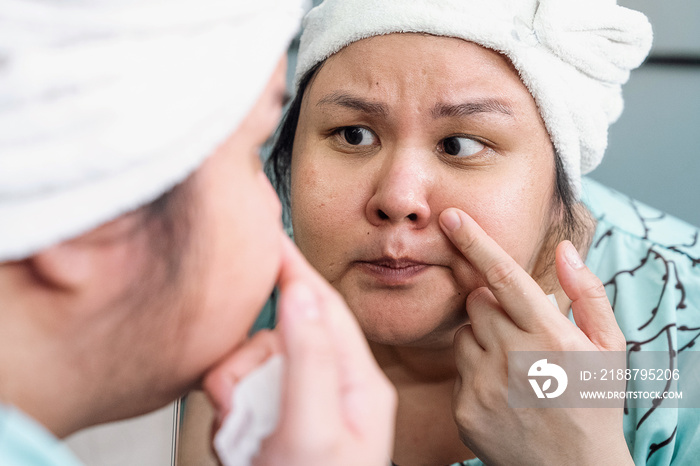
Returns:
(106, 105)
(573, 55)
(255, 407)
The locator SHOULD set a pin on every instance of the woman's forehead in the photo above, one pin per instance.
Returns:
(398, 67)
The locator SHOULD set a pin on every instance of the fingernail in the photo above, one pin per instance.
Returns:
(572, 257)
(304, 302)
(451, 220)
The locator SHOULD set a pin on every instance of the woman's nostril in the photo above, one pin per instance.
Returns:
(384, 216)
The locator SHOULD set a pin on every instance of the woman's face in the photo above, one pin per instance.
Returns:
(393, 130)
(236, 241)
(227, 266)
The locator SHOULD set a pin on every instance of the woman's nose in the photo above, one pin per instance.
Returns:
(401, 193)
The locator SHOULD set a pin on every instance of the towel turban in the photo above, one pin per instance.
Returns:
(107, 104)
(573, 55)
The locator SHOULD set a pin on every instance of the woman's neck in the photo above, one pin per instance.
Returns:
(407, 365)
(38, 376)
(424, 379)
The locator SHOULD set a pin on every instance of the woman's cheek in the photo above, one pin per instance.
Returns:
(509, 219)
(312, 202)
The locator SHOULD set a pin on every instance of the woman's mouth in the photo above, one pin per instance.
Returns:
(393, 272)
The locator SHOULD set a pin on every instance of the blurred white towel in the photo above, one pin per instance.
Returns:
(255, 406)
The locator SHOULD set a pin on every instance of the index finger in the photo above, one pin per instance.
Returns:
(349, 339)
(295, 267)
(517, 292)
(360, 376)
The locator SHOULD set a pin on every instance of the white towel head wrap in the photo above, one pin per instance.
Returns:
(573, 55)
(107, 104)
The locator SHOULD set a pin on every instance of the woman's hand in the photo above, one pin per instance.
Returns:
(337, 407)
(513, 314)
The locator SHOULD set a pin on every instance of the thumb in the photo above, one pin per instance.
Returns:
(590, 305)
(312, 394)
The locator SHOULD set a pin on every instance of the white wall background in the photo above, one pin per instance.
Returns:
(654, 150)
(143, 441)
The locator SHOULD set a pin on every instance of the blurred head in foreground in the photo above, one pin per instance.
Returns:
(139, 235)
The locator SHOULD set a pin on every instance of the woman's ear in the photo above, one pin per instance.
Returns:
(85, 260)
(67, 266)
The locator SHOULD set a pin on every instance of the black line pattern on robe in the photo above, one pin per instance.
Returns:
(643, 220)
(654, 447)
(656, 402)
(613, 280)
(661, 215)
(677, 248)
(637, 346)
(653, 225)
(666, 278)
(691, 343)
(607, 234)
(668, 264)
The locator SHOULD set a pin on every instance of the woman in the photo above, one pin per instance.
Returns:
(433, 158)
(140, 236)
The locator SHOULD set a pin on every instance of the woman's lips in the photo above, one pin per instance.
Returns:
(393, 272)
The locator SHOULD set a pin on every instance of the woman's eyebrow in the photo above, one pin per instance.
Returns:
(443, 110)
(354, 103)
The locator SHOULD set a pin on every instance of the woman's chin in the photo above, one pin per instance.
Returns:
(408, 332)
(407, 319)
(429, 341)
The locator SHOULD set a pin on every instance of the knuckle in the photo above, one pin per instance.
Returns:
(558, 339)
(614, 339)
(480, 295)
(463, 411)
(467, 241)
(464, 343)
(464, 333)
(595, 289)
(462, 417)
(618, 343)
(483, 389)
(562, 343)
(501, 275)
(472, 402)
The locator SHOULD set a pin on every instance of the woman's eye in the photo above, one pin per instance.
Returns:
(357, 136)
(461, 147)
